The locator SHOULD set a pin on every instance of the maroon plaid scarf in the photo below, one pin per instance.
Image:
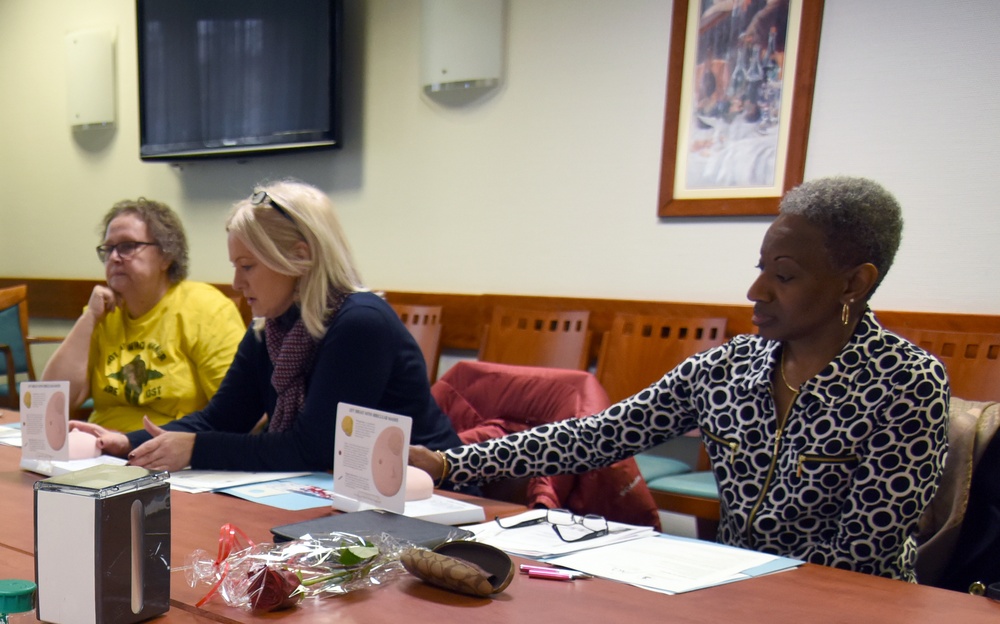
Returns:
(292, 353)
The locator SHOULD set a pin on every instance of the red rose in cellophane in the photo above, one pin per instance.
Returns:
(271, 589)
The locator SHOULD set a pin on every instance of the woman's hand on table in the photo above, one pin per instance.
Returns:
(108, 442)
(168, 450)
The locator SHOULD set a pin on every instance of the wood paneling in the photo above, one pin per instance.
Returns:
(65, 298)
(465, 315)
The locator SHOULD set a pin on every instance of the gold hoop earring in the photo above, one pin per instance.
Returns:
(845, 315)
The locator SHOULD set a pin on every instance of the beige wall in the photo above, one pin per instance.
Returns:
(549, 185)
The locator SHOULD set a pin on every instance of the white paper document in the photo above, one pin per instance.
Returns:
(673, 564)
(10, 435)
(197, 481)
(541, 540)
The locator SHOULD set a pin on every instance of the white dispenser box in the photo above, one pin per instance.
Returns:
(102, 545)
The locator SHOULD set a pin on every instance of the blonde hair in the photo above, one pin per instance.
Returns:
(272, 223)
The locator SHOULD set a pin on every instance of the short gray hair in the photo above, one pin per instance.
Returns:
(860, 220)
(164, 227)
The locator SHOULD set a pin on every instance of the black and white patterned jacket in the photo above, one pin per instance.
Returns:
(842, 485)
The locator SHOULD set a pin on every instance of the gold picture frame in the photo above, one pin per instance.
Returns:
(739, 100)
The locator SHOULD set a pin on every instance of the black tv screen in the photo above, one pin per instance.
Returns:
(238, 77)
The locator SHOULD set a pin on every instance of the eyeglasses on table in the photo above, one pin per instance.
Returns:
(597, 526)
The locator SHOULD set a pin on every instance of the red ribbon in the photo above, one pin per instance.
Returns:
(229, 540)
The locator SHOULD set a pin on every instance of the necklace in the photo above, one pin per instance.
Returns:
(781, 369)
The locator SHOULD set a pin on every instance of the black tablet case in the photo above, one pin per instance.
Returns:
(372, 522)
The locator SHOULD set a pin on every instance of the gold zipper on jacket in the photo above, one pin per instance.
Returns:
(825, 459)
(770, 469)
(733, 445)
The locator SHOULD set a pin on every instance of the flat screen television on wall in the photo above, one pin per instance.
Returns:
(233, 78)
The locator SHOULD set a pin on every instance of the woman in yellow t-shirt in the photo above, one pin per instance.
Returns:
(149, 342)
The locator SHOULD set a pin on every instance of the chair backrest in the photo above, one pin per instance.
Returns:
(485, 400)
(14, 331)
(972, 360)
(237, 298)
(548, 338)
(639, 349)
(972, 425)
(424, 322)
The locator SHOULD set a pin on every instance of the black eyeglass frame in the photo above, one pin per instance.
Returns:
(261, 197)
(104, 251)
(574, 519)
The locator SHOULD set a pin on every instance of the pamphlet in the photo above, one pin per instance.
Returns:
(370, 454)
(44, 422)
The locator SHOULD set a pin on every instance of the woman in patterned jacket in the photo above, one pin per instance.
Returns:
(826, 432)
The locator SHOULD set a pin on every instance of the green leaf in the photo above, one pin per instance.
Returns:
(354, 555)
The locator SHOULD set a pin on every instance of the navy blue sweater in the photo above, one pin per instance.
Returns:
(367, 357)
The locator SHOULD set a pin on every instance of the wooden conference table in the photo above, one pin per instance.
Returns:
(810, 593)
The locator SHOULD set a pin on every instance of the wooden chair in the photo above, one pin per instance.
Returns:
(237, 298)
(547, 338)
(15, 344)
(636, 351)
(639, 349)
(424, 322)
(971, 358)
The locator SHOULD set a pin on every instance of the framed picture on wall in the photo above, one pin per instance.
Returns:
(739, 97)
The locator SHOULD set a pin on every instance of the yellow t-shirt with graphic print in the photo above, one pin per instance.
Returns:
(166, 363)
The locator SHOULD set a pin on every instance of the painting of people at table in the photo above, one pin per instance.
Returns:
(734, 125)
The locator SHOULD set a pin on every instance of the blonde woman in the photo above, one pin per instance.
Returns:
(320, 338)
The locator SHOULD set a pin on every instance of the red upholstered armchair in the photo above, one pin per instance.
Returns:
(486, 400)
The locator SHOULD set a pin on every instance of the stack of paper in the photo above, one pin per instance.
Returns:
(671, 564)
(55, 467)
(437, 508)
(540, 540)
(633, 554)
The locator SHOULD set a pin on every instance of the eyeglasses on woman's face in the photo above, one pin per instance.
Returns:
(125, 249)
(561, 521)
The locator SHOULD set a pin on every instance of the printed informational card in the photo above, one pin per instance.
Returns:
(370, 454)
(44, 420)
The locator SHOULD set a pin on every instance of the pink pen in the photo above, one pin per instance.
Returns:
(551, 574)
(534, 571)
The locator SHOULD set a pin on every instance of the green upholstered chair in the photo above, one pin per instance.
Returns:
(693, 493)
(15, 344)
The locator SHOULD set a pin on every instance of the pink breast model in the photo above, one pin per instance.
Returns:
(387, 461)
(55, 421)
